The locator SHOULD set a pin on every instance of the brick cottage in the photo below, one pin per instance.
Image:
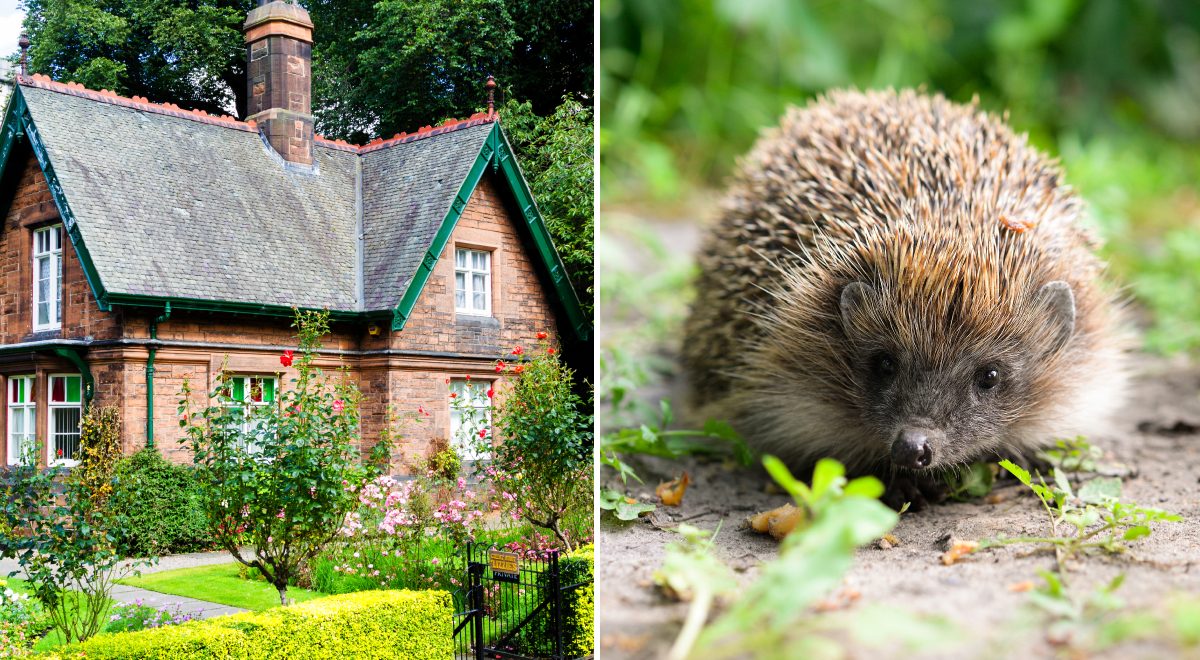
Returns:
(144, 244)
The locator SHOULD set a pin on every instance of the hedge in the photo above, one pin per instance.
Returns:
(579, 609)
(413, 625)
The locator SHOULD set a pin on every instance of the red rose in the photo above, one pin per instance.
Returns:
(518, 369)
(339, 406)
(286, 358)
(541, 335)
(454, 395)
(518, 350)
(468, 377)
(483, 433)
(500, 365)
(490, 392)
(549, 351)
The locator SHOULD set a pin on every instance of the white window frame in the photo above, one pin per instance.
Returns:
(465, 446)
(25, 410)
(51, 406)
(50, 251)
(247, 381)
(464, 265)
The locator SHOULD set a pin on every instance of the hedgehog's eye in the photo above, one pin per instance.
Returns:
(987, 378)
(884, 365)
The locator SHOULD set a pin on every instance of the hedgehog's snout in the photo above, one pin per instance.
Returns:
(913, 447)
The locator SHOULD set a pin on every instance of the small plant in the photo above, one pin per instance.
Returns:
(971, 482)
(1090, 518)
(656, 439)
(131, 617)
(1076, 456)
(23, 621)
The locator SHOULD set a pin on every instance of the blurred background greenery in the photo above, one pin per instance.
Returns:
(1111, 87)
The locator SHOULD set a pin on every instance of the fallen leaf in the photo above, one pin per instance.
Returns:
(670, 493)
(887, 542)
(838, 601)
(1021, 587)
(777, 522)
(959, 550)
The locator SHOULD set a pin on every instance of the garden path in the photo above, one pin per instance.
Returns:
(126, 594)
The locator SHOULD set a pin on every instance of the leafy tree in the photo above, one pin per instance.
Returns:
(556, 155)
(274, 475)
(553, 54)
(189, 53)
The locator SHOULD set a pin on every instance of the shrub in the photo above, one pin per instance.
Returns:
(160, 505)
(579, 610)
(414, 625)
(275, 476)
(99, 451)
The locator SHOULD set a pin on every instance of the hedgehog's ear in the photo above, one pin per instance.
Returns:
(1059, 302)
(855, 296)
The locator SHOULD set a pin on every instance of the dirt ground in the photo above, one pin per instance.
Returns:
(1158, 438)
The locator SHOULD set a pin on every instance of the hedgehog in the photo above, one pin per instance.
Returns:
(903, 284)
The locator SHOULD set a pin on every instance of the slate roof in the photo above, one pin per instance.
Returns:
(177, 204)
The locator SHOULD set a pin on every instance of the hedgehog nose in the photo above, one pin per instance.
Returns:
(912, 449)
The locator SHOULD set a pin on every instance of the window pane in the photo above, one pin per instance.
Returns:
(56, 235)
(269, 389)
(479, 302)
(460, 299)
(256, 390)
(480, 259)
(73, 383)
(239, 389)
(43, 314)
(65, 423)
(58, 389)
(56, 292)
(460, 258)
(15, 387)
(460, 281)
(18, 420)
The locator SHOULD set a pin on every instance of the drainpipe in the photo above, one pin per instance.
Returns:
(150, 374)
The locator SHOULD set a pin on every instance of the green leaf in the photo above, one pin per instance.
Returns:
(1017, 471)
(1100, 490)
(1136, 532)
(869, 487)
(828, 474)
(784, 478)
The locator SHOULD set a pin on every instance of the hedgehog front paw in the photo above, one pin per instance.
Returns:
(915, 489)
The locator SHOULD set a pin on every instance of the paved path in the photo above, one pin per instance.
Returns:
(126, 594)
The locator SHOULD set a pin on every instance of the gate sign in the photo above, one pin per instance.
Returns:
(504, 566)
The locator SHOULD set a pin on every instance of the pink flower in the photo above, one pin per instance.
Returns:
(286, 358)
(339, 406)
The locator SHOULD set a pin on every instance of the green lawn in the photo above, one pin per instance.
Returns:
(217, 584)
(54, 637)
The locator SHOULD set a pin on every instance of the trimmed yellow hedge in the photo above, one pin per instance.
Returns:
(413, 625)
(580, 630)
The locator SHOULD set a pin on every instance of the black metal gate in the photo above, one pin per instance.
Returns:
(512, 607)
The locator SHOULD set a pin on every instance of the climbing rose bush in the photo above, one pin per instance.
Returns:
(275, 475)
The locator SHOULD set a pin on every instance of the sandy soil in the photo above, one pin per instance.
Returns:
(1158, 438)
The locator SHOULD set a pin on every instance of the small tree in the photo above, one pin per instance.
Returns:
(275, 477)
(61, 534)
(545, 453)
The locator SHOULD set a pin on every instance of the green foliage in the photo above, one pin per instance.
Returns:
(546, 452)
(1075, 456)
(556, 153)
(973, 481)
(274, 475)
(1090, 518)
(578, 616)
(161, 506)
(99, 451)
(771, 613)
(185, 53)
(406, 624)
(656, 439)
(63, 542)
(22, 621)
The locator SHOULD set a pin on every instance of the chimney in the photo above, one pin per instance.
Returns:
(279, 77)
